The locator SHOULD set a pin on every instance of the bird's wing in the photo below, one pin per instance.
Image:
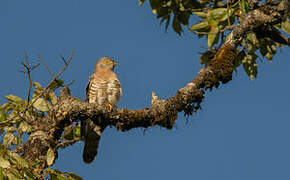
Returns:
(114, 90)
(88, 88)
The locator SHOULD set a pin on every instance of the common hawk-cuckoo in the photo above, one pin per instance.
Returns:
(104, 88)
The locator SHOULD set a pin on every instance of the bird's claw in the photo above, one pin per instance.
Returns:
(109, 106)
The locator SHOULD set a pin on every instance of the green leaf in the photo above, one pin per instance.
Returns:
(62, 177)
(220, 16)
(25, 127)
(181, 7)
(167, 22)
(28, 177)
(9, 139)
(269, 56)
(200, 27)
(263, 47)
(253, 38)
(2, 176)
(2, 115)
(32, 115)
(217, 14)
(4, 163)
(271, 51)
(225, 15)
(140, 2)
(245, 6)
(53, 176)
(53, 98)
(68, 134)
(1, 173)
(14, 98)
(41, 105)
(31, 175)
(162, 12)
(212, 37)
(73, 175)
(212, 22)
(37, 85)
(238, 60)
(273, 48)
(268, 48)
(286, 26)
(176, 25)
(250, 65)
(56, 84)
(183, 18)
(14, 174)
(4, 106)
(10, 129)
(38, 89)
(50, 156)
(19, 161)
(155, 4)
(77, 131)
(57, 175)
(168, 4)
(200, 14)
(254, 42)
(1, 149)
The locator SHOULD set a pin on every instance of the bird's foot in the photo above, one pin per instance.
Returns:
(109, 106)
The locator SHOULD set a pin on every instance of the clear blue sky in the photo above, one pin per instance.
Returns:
(241, 133)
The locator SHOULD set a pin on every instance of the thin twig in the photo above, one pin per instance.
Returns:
(54, 78)
(44, 90)
(47, 68)
(63, 59)
(228, 9)
(45, 65)
(29, 78)
(28, 72)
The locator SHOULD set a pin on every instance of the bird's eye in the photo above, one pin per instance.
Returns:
(107, 61)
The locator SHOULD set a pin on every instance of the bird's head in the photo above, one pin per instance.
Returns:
(106, 62)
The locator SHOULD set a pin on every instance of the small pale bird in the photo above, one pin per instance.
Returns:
(104, 88)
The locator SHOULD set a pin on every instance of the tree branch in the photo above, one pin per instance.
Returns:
(162, 113)
(20, 114)
(27, 71)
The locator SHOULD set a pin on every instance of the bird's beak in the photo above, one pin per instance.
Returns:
(115, 64)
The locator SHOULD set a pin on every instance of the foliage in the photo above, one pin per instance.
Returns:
(217, 19)
(17, 117)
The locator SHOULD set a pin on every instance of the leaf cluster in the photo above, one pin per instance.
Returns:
(217, 19)
(17, 120)
(177, 11)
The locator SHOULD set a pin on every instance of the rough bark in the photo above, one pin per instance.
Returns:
(162, 112)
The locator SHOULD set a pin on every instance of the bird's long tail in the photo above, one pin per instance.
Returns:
(90, 134)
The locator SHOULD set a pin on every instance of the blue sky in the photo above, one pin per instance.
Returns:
(242, 132)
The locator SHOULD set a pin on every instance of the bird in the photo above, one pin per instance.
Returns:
(104, 88)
